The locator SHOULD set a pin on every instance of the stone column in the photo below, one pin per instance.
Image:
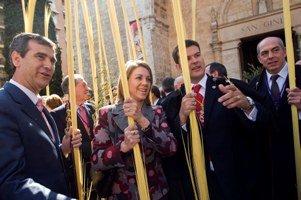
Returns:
(217, 51)
(255, 7)
(262, 6)
(155, 33)
(60, 32)
(148, 26)
(231, 58)
(269, 4)
(216, 43)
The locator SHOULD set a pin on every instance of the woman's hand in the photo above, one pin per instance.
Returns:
(131, 138)
(130, 108)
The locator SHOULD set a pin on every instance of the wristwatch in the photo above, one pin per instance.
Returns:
(251, 102)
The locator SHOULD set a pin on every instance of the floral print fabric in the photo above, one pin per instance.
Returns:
(155, 143)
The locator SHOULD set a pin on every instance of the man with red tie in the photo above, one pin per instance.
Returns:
(229, 119)
(84, 122)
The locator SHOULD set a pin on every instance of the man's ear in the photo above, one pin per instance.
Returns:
(259, 59)
(179, 68)
(16, 58)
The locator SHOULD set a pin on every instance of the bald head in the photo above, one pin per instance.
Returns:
(263, 41)
(271, 53)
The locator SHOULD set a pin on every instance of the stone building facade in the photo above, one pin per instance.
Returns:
(227, 30)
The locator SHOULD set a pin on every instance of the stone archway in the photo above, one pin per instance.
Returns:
(224, 11)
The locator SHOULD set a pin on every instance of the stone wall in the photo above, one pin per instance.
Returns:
(203, 28)
(221, 28)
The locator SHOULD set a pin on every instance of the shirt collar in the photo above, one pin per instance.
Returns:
(34, 98)
(283, 72)
(202, 82)
(168, 93)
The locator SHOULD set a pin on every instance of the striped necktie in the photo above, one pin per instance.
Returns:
(40, 107)
(84, 118)
(200, 103)
(275, 92)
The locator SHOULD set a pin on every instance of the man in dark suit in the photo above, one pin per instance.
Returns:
(84, 122)
(216, 69)
(229, 126)
(168, 89)
(30, 149)
(277, 97)
(155, 94)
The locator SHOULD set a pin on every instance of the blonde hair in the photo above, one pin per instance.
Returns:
(131, 65)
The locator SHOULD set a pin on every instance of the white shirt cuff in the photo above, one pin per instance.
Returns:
(253, 114)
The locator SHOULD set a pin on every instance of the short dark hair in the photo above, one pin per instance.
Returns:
(168, 84)
(20, 43)
(155, 90)
(188, 43)
(220, 68)
(65, 82)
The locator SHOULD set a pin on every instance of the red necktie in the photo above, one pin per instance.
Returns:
(200, 103)
(40, 107)
(84, 118)
(200, 112)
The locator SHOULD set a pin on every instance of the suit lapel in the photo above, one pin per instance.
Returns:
(264, 91)
(283, 99)
(210, 98)
(81, 125)
(148, 113)
(85, 135)
(118, 116)
(28, 107)
(53, 126)
(91, 121)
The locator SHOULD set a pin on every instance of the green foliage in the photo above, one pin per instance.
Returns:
(251, 72)
(14, 23)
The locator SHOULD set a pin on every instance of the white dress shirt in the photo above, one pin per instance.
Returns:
(280, 81)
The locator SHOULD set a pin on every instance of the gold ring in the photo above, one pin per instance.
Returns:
(132, 132)
(238, 97)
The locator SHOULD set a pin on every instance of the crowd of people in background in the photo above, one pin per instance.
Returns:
(246, 129)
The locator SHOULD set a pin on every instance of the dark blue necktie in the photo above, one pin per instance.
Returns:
(275, 89)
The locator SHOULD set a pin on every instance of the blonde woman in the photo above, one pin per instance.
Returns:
(114, 138)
